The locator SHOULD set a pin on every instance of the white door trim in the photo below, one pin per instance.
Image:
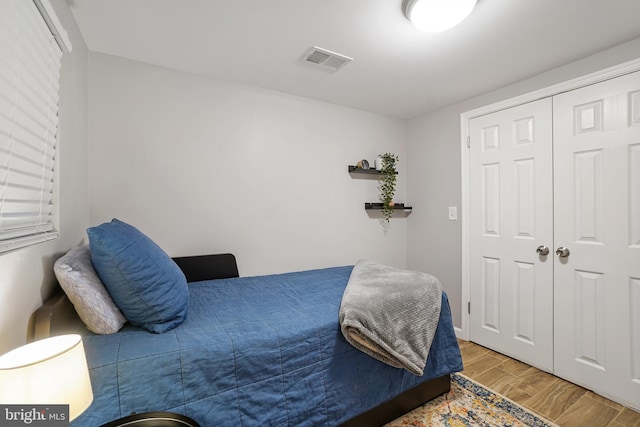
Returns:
(589, 79)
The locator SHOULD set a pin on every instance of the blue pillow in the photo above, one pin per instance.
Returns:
(144, 282)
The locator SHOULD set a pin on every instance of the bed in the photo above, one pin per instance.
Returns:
(253, 351)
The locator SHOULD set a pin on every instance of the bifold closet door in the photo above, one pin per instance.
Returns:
(597, 219)
(511, 232)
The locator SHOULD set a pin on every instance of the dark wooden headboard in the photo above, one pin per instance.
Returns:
(57, 315)
(208, 267)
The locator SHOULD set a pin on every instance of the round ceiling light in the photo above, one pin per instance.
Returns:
(433, 16)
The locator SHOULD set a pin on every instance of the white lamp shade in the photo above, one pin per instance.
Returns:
(52, 371)
(437, 15)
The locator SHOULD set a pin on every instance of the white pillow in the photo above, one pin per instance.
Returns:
(86, 291)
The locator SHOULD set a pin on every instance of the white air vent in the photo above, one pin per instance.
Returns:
(326, 59)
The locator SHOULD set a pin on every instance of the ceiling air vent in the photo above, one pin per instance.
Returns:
(326, 59)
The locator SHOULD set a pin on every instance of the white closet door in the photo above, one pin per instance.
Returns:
(597, 218)
(511, 213)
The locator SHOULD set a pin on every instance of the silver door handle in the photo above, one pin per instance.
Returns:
(542, 250)
(562, 252)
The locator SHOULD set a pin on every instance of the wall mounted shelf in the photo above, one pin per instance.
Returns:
(397, 206)
(370, 171)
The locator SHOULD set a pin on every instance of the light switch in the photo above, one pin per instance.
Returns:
(453, 213)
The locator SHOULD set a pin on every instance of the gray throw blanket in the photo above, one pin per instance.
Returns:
(391, 314)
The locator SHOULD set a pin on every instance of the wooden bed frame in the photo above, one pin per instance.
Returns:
(57, 317)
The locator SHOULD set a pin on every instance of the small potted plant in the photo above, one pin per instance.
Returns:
(388, 183)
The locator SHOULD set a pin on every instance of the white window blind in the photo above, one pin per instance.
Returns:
(31, 48)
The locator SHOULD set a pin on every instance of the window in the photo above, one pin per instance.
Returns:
(32, 42)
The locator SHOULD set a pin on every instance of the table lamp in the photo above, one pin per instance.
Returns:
(52, 371)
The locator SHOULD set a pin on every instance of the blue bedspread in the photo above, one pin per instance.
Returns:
(254, 351)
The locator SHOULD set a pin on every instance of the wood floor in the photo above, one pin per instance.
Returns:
(562, 402)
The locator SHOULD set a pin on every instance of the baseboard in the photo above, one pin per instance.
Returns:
(458, 332)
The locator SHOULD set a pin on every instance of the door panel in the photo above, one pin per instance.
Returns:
(634, 195)
(511, 286)
(525, 289)
(634, 307)
(597, 217)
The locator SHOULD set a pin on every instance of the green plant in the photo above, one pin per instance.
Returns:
(388, 183)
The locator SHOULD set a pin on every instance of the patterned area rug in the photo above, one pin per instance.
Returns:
(469, 404)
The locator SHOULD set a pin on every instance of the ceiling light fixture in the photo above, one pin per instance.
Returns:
(433, 16)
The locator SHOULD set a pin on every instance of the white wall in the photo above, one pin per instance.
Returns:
(26, 275)
(207, 166)
(434, 183)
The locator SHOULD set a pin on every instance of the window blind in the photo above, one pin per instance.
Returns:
(30, 59)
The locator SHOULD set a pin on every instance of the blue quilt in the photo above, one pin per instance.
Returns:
(254, 351)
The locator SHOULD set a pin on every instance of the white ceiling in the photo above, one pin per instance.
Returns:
(397, 70)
